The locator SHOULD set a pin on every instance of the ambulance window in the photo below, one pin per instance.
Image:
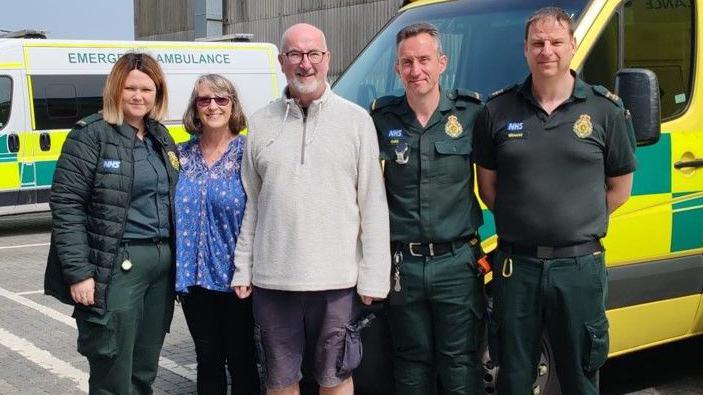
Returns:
(603, 61)
(483, 40)
(658, 36)
(61, 100)
(5, 100)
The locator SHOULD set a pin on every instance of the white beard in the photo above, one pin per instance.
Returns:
(304, 88)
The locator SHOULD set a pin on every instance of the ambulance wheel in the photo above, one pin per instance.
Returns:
(546, 383)
(490, 370)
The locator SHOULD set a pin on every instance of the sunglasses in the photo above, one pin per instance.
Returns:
(205, 101)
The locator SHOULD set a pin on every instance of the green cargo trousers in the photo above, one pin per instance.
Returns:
(438, 330)
(565, 296)
(123, 346)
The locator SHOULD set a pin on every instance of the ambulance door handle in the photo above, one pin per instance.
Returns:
(45, 141)
(13, 142)
(688, 163)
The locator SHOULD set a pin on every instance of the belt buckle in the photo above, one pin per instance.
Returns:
(430, 246)
(410, 248)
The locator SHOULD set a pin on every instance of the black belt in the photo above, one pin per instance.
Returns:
(545, 252)
(430, 248)
(148, 240)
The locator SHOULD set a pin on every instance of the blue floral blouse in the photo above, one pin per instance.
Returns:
(209, 210)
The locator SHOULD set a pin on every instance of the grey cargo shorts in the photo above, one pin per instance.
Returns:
(288, 322)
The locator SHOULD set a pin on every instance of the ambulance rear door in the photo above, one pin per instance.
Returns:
(13, 126)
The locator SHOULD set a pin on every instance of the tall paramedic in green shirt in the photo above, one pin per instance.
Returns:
(436, 303)
(555, 157)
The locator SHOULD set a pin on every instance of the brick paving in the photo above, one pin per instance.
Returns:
(45, 324)
(22, 275)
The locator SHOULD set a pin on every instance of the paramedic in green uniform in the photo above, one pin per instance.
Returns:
(436, 303)
(112, 232)
(555, 157)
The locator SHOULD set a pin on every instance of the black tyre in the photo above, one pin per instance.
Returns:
(546, 381)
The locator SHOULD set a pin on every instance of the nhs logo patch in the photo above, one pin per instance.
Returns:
(111, 165)
(395, 133)
(513, 126)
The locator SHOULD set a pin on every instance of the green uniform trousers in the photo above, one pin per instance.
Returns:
(564, 296)
(123, 346)
(438, 330)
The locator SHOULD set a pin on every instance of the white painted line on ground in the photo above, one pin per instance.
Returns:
(44, 359)
(39, 291)
(165, 363)
(24, 246)
(178, 369)
(47, 311)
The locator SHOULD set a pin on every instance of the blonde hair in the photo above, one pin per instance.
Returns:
(223, 88)
(112, 93)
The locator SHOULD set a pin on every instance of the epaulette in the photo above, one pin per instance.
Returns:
(464, 94)
(88, 120)
(603, 91)
(502, 90)
(384, 101)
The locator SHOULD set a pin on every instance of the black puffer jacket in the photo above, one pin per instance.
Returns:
(90, 197)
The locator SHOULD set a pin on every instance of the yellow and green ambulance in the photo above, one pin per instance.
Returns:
(655, 241)
(48, 85)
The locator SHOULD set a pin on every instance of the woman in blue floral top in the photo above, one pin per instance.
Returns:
(210, 204)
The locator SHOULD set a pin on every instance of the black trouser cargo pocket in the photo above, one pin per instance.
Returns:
(97, 335)
(350, 354)
(596, 352)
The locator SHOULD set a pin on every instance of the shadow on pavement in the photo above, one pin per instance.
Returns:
(677, 364)
(14, 225)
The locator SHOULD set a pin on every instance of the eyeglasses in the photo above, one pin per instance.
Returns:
(203, 101)
(314, 57)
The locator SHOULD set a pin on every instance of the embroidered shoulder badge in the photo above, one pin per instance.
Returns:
(453, 128)
(174, 160)
(583, 126)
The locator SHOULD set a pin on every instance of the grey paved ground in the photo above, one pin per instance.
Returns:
(38, 336)
(30, 339)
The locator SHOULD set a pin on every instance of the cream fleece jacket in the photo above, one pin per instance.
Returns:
(316, 216)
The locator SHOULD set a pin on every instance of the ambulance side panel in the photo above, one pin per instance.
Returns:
(655, 240)
(63, 83)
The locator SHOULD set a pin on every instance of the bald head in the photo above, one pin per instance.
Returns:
(306, 76)
(303, 32)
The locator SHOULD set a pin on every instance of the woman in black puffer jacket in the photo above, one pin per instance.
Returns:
(112, 203)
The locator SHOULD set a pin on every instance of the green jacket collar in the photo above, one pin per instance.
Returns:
(445, 104)
(152, 127)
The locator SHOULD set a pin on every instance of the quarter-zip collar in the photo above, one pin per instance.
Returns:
(313, 109)
(293, 109)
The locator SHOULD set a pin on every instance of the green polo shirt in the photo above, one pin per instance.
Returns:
(149, 209)
(430, 197)
(551, 169)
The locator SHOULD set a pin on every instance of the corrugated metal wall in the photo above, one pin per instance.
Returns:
(348, 24)
(163, 20)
